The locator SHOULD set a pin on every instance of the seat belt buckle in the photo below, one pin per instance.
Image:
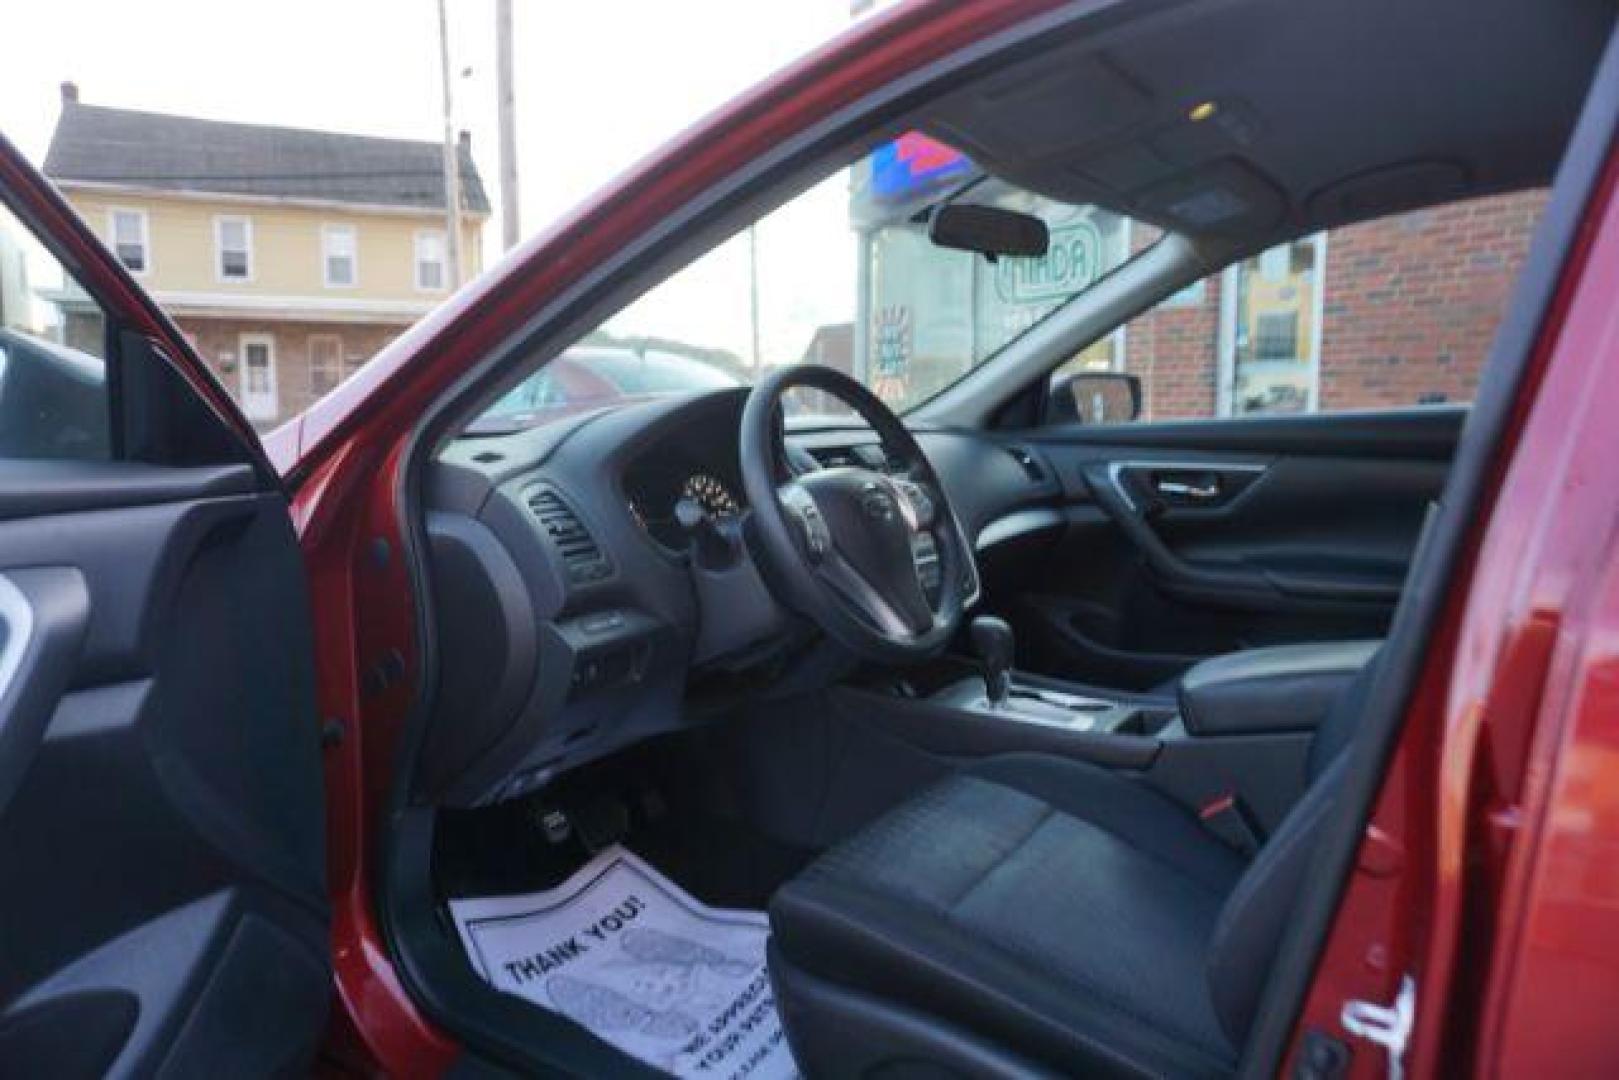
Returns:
(1228, 819)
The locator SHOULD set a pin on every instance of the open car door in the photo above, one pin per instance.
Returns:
(164, 909)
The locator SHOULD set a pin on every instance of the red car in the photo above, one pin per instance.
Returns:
(964, 735)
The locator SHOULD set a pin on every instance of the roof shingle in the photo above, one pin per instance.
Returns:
(180, 153)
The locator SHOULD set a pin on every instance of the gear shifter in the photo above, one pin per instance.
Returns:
(992, 641)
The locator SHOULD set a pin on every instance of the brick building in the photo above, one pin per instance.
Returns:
(1394, 312)
(288, 257)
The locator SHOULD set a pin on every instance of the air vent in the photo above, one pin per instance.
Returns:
(832, 457)
(863, 455)
(581, 556)
(1031, 464)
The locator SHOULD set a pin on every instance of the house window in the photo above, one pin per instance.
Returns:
(130, 239)
(337, 245)
(233, 244)
(325, 363)
(430, 260)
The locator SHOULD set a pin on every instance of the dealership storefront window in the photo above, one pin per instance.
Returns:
(928, 329)
(931, 315)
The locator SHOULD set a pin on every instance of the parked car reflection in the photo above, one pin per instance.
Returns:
(593, 376)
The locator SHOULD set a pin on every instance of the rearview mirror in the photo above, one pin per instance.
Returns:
(1094, 397)
(989, 231)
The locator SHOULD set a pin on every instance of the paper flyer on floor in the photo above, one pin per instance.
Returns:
(623, 951)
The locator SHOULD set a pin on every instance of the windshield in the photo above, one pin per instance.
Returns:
(843, 275)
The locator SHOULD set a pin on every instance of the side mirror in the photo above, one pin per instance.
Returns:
(989, 231)
(1094, 397)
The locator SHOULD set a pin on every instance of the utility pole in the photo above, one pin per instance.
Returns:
(506, 106)
(452, 157)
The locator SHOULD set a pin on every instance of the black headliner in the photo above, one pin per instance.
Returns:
(1328, 111)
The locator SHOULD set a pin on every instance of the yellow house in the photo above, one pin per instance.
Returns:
(288, 257)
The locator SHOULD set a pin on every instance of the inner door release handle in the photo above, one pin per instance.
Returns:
(1187, 489)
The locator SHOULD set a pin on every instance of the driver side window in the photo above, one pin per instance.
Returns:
(1391, 313)
(54, 399)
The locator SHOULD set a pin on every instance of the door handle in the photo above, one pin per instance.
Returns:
(1172, 570)
(1188, 489)
(44, 613)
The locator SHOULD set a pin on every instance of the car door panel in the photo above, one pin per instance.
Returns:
(1187, 540)
(163, 837)
(162, 827)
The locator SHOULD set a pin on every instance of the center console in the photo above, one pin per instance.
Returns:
(1012, 696)
(1237, 732)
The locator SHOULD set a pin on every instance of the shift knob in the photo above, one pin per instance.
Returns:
(992, 642)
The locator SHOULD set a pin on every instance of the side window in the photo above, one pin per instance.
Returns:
(53, 379)
(1390, 313)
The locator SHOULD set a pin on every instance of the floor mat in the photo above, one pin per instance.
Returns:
(620, 949)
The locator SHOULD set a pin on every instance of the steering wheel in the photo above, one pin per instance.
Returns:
(839, 545)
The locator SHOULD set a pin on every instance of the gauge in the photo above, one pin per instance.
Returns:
(711, 494)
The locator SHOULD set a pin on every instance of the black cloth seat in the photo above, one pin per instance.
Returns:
(1034, 911)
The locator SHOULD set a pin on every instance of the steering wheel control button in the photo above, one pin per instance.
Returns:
(876, 502)
(801, 507)
(816, 535)
(916, 497)
(925, 552)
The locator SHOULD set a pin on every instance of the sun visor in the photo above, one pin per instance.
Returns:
(1037, 112)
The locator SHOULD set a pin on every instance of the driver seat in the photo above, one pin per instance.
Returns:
(1037, 913)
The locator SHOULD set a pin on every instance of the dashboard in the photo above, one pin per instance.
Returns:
(571, 617)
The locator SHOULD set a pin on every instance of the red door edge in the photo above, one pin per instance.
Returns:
(1445, 871)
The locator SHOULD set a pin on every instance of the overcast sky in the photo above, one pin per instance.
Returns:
(599, 82)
